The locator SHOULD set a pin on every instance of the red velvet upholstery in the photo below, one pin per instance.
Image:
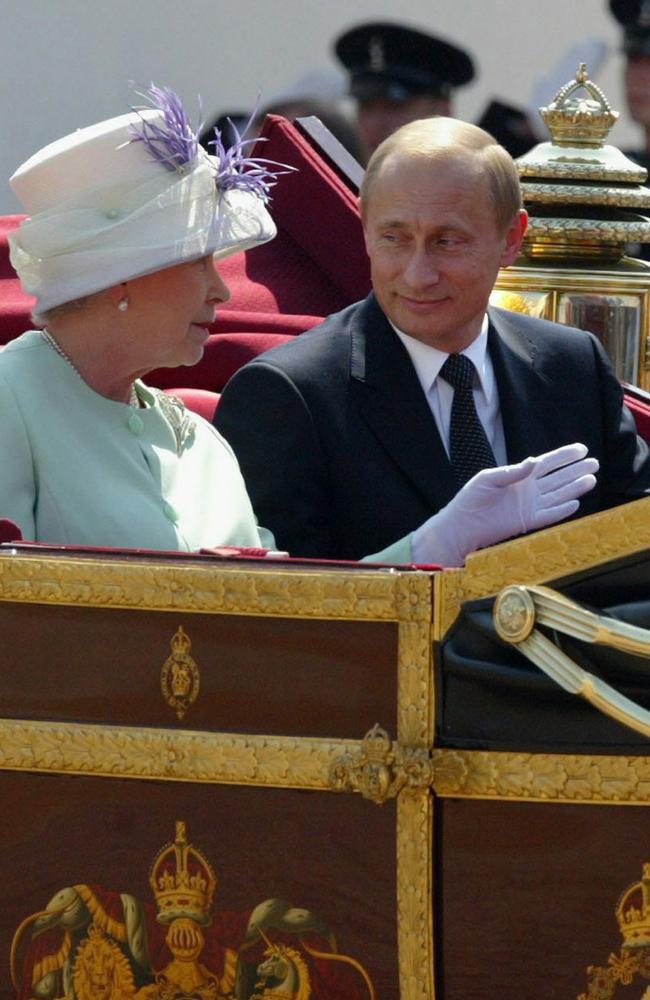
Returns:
(15, 306)
(638, 402)
(224, 354)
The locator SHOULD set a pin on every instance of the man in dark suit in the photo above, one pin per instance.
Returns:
(345, 436)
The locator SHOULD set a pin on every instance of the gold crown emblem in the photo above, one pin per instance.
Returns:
(579, 114)
(633, 912)
(180, 642)
(183, 881)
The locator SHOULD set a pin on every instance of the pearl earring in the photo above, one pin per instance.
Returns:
(123, 304)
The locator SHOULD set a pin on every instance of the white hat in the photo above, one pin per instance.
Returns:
(130, 196)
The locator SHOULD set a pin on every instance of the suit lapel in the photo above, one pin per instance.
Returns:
(523, 391)
(390, 400)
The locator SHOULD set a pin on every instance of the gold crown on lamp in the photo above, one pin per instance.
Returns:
(183, 881)
(579, 119)
(633, 912)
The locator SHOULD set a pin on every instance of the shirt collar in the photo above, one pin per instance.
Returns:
(428, 360)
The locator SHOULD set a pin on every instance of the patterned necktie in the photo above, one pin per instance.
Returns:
(469, 448)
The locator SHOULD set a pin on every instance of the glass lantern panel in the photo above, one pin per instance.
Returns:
(614, 319)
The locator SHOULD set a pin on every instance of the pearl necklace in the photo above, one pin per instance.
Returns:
(49, 339)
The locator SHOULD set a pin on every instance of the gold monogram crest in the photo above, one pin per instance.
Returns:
(179, 678)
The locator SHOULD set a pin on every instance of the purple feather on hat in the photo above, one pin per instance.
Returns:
(175, 143)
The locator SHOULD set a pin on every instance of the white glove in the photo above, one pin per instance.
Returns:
(510, 500)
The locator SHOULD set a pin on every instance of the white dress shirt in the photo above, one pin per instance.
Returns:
(428, 361)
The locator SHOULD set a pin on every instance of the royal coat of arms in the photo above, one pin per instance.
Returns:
(91, 943)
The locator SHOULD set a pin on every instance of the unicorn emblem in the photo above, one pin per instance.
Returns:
(283, 975)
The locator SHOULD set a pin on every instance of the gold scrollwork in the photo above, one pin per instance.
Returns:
(176, 755)
(581, 229)
(415, 685)
(590, 171)
(380, 769)
(414, 894)
(360, 595)
(558, 194)
(539, 777)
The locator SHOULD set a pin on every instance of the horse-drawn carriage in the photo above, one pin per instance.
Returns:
(228, 777)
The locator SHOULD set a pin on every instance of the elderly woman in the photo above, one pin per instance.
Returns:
(127, 220)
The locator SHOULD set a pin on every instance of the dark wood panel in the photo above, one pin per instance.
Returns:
(258, 675)
(527, 895)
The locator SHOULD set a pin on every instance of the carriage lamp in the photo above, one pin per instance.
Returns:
(589, 212)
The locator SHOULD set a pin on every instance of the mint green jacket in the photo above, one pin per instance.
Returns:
(79, 469)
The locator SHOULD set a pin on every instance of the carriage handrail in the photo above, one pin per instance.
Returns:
(518, 609)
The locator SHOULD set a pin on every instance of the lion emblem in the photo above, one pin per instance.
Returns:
(101, 971)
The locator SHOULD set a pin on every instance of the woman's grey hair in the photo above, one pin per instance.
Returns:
(75, 305)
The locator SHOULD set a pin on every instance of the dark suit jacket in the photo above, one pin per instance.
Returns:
(340, 451)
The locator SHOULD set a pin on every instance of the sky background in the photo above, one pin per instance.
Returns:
(68, 63)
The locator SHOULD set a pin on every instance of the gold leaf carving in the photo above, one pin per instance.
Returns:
(73, 748)
(414, 904)
(404, 597)
(514, 772)
(593, 171)
(415, 685)
(605, 230)
(413, 597)
(581, 778)
(566, 194)
(541, 777)
(208, 587)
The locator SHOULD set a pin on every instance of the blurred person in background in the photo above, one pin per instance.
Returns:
(634, 16)
(398, 74)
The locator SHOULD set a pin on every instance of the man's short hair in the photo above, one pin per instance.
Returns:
(442, 138)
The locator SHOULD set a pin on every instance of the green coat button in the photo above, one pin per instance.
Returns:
(170, 512)
(135, 425)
